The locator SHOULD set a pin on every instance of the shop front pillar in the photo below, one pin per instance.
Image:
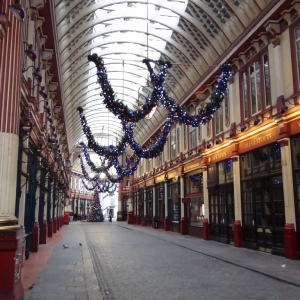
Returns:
(54, 225)
(290, 242)
(183, 223)
(50, 228)
(206, 230)
(44, 233)
(237, 226)
(290, 237)
(12, 249)
(183, 226)
(166, 220)
(238, 234)
(130, 219)
(35, 237)
(166, 224)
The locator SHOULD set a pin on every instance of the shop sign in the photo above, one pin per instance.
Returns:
(220, 155)
(294, 127)
(193, 166)
(186, 200)
(160, 178)
(150, 182)
(173, 173)
(259, 140)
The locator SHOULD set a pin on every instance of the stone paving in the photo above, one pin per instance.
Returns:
(121, 261)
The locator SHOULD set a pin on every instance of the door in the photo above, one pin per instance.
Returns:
(263, 216)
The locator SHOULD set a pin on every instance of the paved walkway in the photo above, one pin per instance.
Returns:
(121, 261)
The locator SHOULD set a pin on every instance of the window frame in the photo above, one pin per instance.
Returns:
(245, 82)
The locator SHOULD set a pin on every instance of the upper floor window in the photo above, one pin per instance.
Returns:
(178, 138)
(173, 144)
(184, 137)
(256, 91)
(192, 137)
(219, 120)
(297, 40)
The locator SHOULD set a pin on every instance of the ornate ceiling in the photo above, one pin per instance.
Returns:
(192, 35)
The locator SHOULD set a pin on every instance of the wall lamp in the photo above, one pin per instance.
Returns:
(208, 145)
(243, 127)
(283, 109)
(30, 52)
(218, 141)
(42, 92)
(17, 10)
(36, 74)
(256, 121)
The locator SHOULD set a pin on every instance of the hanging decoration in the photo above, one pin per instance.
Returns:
(176, 112)
(127, 170)
(156, 148)
(117, 107)
(107, 152)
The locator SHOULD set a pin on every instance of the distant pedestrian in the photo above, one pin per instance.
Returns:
(110, 216)
(76, 217)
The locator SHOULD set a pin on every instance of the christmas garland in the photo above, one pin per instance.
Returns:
(107, 152)
(176, 112)
(121, 171)
(117, 107)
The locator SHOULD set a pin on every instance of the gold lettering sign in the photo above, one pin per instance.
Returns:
(160, 178)
(218, 156)
(259, 140)
(192, 167)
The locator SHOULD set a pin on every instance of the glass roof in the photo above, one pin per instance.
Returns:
(190, 34)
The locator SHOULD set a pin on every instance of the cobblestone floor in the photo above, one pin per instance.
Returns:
(121, 261)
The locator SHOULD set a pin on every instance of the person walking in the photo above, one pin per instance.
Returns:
(110, 216)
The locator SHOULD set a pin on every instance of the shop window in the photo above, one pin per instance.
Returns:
(174, 200)
(184, 137)
(196, 211)
(178, 138)
(297, 42)
(225, 172)
(261, 161)
(219, 120)
(192, 137)
(194, 183)
(256, 90)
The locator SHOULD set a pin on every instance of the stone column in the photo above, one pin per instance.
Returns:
(12, 236)
(237, 227)
(182, 214)
(290, 237)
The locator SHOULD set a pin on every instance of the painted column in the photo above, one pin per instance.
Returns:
(11, 257)
(290, 237)
(182, 218)
(166, 224)
(206, 229)
(237, 227)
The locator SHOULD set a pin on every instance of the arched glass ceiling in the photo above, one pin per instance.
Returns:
(192, 34)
